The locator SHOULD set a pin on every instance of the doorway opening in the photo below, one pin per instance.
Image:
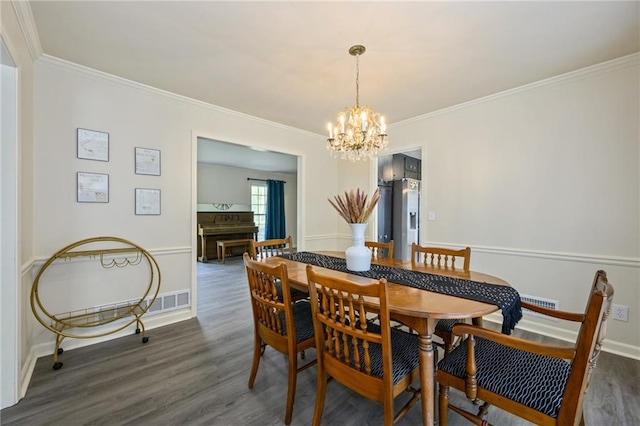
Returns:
(399, 208)
(231, 178)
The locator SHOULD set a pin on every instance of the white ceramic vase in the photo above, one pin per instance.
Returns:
(358, 255)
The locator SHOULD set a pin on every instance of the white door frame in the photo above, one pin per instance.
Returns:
(9, 288)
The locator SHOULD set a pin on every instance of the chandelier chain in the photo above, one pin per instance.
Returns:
(357, 81)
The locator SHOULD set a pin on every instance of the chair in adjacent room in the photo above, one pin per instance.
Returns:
(285, 326)
(442, 258)
(372, 359)
(276, 247)
(544, 384)
(380, 250)
(269, 248)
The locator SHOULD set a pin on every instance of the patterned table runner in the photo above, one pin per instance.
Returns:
(505, 297)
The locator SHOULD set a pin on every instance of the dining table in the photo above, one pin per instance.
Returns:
(417, 308)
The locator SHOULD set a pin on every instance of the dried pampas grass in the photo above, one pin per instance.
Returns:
(353, 207)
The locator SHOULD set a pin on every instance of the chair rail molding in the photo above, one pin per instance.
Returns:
(630, 262)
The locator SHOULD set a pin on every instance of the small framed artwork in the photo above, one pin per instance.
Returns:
(147, 201)
(92, 187)
(93, 145)
(147, 161)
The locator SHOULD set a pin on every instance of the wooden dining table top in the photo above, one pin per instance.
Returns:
(403, 299)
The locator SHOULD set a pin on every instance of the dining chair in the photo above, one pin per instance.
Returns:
(276, 247)
(277, 322)
(380, 250)
(544, 384)
(442, 258)
(372, 359)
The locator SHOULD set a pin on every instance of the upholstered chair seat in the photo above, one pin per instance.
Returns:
(534, 380)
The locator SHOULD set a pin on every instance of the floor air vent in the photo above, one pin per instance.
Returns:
(542, 302)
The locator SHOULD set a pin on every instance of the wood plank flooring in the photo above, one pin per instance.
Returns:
(195, 373)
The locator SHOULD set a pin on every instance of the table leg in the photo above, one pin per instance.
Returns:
(204, 248)
(427, 374)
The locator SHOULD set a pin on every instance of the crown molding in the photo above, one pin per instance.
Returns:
(100, 76)
(28, 27)
(569, 77)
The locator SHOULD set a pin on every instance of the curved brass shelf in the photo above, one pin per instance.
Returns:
(68, 324)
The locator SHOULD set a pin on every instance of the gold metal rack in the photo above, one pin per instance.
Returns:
(68, 324)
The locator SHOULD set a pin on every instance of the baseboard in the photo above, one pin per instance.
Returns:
(611, 346)
(27, 372)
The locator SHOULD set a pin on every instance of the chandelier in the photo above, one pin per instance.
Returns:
(360, 132)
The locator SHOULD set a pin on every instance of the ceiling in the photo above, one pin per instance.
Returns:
(288, 62)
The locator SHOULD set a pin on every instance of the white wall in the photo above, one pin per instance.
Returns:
(543, 183)
(222, 184)
(68, 96)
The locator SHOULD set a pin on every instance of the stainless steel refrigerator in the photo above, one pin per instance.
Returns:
(385, 211)
(406, 216)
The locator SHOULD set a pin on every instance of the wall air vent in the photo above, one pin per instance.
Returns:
(170, 301)
(542, 302)
(164, 302)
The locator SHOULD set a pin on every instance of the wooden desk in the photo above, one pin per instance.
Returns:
(419, 309)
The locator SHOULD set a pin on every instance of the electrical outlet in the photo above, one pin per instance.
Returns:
(620, 313)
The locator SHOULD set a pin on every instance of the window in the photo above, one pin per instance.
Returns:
(259, 207)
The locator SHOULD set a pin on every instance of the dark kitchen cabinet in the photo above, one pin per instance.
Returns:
(406, 167)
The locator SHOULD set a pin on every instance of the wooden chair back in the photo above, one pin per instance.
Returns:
(285, 326)
(348, 346)
(380, 250)
(269, 248)
(593, 331)
(440, 257)
(272, 314)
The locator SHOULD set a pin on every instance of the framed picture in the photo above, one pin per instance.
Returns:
(93, 145)
(92, 187)
(147, 201)
(147, 161)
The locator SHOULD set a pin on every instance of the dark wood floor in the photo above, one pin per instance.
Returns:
(195, 373)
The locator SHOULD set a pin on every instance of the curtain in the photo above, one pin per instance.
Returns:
(275, 226)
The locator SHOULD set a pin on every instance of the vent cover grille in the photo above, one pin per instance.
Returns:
(170, 302)
(164, 302)
(543, 303)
